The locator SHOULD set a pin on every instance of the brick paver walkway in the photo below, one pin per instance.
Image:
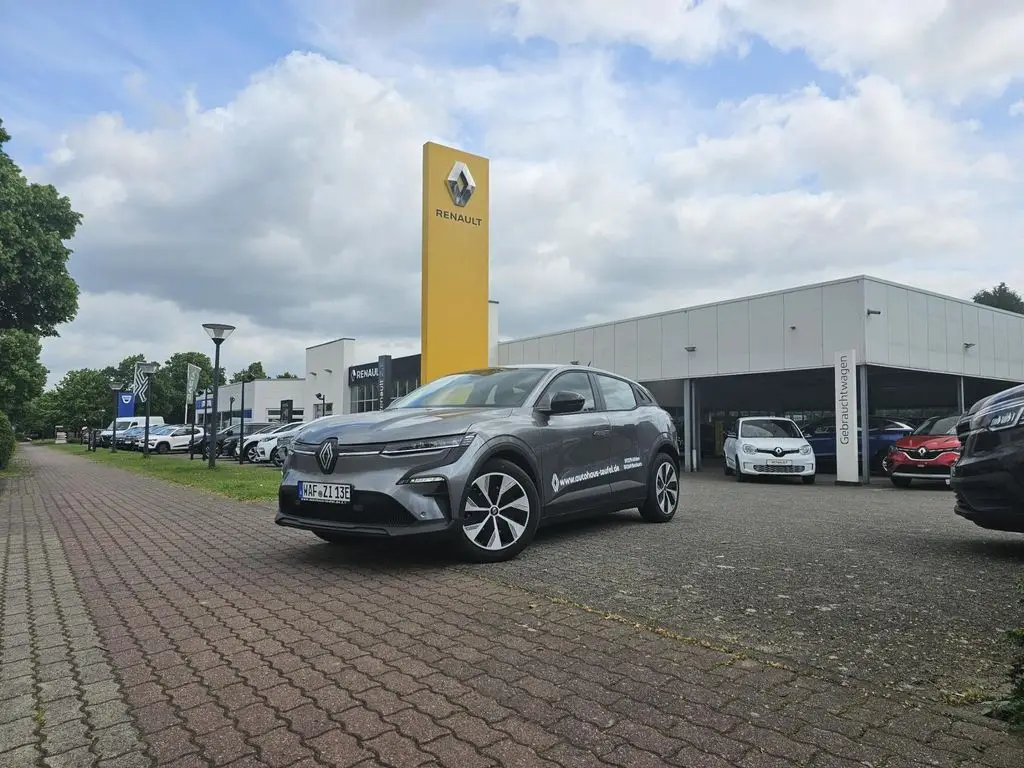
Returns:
(145, 624)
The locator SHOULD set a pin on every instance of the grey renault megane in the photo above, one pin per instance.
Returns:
(482, 458)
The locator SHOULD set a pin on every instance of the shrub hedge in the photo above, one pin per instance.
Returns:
(7, 441)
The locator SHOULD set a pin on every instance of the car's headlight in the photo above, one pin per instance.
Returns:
(428, 445)
(749, 449)
(805, 449)
(1004, 418)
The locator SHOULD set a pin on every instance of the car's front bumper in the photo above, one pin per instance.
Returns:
(935, 470)
(391, 497)
(989, 488)
(800, 465)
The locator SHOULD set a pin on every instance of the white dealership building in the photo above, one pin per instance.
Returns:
(916, 353)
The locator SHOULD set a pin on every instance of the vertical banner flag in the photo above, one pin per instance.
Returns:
(847, 442)
(140, 383)
(383, 382)
(191, 383)
(125, 405)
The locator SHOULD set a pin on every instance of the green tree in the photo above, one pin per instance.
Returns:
(36, 292)
(124, 372)
(286, 375)
(84, 399)
(22, 376)
(43, 414)
(169, 384)
(250, 373)
(1001, 297)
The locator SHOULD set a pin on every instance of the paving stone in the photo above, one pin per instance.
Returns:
(216, 638)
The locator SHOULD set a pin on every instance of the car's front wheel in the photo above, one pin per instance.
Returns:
(250, 454)
(500, 513)
(163, 448)
(662, 491)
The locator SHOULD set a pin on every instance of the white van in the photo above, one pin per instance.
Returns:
(127, 422)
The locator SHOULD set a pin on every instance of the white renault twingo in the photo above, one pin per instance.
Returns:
(768, 445)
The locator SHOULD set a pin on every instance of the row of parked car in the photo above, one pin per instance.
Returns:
(901, 451)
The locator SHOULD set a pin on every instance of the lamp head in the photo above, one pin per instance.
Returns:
(218, 331)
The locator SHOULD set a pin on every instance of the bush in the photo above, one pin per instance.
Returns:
(6, 440)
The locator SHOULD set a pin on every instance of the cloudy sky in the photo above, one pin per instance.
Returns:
(258, 161)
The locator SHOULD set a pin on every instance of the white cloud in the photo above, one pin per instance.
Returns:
(955, 47)
(293, 209)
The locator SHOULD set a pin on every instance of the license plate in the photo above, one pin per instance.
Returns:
(780, 462)
(330, 493)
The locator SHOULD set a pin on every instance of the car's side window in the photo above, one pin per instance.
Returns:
(180, 433)
(573, 381)
(618, 394)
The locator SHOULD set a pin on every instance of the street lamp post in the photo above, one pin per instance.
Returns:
(323, 403)
(115, 387)
(219, 333)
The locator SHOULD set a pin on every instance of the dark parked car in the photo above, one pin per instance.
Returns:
(988, 478)
(482, 458)
(882, 433)
(227, 438)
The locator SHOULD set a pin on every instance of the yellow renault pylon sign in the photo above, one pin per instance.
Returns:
(456, 256)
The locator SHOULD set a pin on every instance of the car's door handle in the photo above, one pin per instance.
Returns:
(603, 432)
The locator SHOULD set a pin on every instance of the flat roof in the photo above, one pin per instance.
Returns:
(751, 297)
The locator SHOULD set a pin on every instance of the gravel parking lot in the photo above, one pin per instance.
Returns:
(876, 583)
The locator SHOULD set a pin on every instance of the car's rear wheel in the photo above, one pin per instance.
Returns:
(662, 490)
(900, 482)
(500, 513)
(163, 448)
(275, 458)
(250, 454)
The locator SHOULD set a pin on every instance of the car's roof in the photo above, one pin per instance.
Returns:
(560, 367)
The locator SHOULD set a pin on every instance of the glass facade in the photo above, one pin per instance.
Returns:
(364, 395)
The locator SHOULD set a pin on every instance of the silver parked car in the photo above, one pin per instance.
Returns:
(484, 457)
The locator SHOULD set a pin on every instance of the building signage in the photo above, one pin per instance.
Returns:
(360, 373)
(847, 464)
(383, 382)
(125, 404)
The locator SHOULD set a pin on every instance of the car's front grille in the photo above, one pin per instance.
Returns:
(939, 470)
(367, 508)
(916, 455)
(776, 452)
(779, 469)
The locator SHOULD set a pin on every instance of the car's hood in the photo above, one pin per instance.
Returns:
(400, 424)
(931, 442)
(770, 442)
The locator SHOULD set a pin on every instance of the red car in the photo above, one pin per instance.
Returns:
(926, 454)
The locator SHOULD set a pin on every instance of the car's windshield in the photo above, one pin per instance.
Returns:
(161, 430)
(938, 425)
(122, 424)
(777, 428)
(486, 388)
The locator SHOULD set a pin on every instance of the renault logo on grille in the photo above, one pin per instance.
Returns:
(921, 451)
(778, 451)
(327, 456)
(461, 185)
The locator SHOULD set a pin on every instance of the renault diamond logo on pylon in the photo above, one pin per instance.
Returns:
(461, 185)
(327, 456)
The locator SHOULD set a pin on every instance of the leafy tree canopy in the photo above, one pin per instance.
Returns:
(36, 292)
(22, 376)
(1001, 297)
(286, 375)
(250, 373)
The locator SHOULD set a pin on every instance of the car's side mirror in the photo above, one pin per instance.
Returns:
(565, 402)
(730, 435)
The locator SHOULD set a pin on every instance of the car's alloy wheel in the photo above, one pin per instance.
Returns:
(250, 454)
(500, 513)
(662, 491)
(275, 458)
